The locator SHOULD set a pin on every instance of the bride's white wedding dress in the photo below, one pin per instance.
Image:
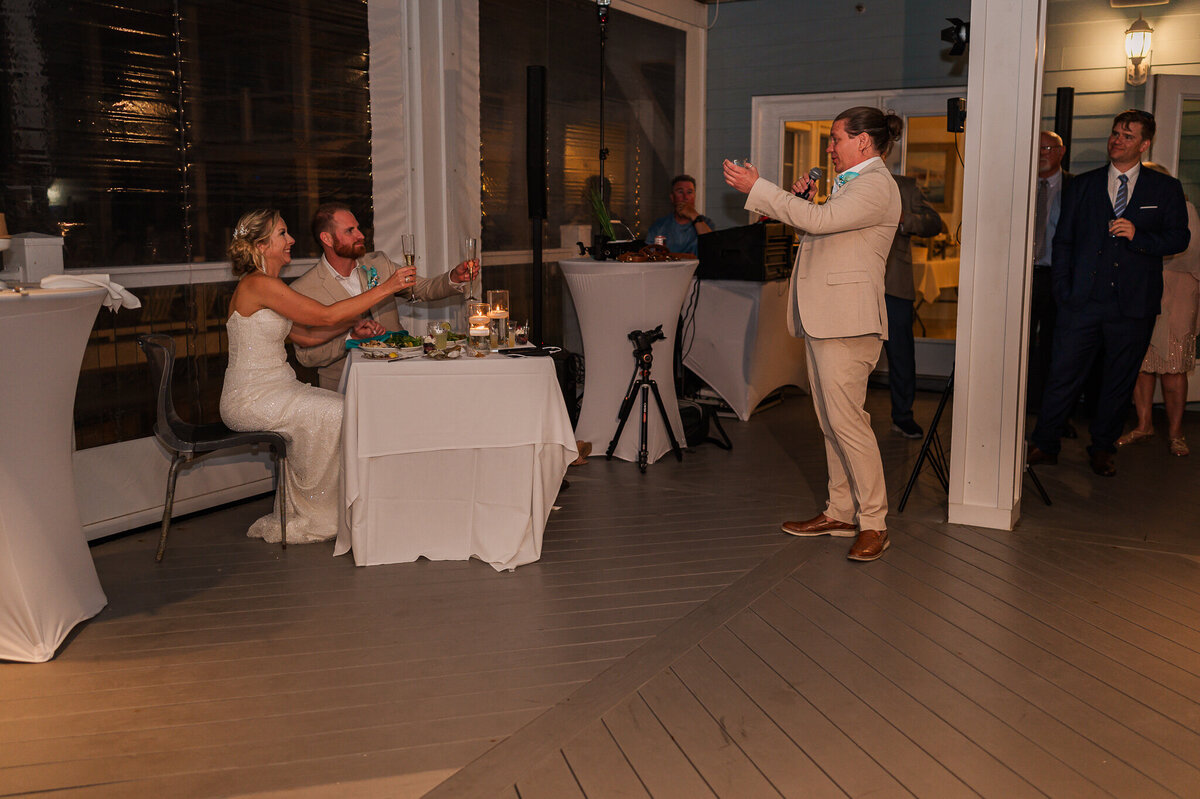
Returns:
(261, 392)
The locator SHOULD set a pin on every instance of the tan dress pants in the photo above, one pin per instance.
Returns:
(838, 369)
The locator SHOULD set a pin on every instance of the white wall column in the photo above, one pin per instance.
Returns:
(1003, 91)
(424, 78)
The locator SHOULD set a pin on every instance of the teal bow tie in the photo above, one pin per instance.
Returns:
(371, 275)
(845, 178)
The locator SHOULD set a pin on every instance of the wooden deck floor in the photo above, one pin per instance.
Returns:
(670, 643)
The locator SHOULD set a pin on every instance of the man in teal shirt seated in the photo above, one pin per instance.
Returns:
(681, 228)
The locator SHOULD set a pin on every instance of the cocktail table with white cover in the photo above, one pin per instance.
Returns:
(48, 582)
(613, 299)
(451, 459)
(741, 346)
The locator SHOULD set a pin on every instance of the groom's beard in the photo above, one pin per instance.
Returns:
(350, 249)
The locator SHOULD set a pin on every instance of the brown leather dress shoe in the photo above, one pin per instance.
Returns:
(1102, 463)
(1036, 457)
(869, 546)
(820, 525)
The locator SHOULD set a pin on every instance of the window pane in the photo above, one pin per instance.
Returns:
(92, 142)
(643, 114)
(277, 114)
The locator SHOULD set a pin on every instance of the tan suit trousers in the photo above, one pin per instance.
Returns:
(838, 369)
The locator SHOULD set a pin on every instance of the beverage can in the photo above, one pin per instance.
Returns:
(660, 241)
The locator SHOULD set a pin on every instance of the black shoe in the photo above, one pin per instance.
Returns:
(1102, 463)
(908, 428)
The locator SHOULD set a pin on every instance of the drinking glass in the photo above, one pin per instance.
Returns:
(498, 314)
(742, 162)
(471, 253)
(409, 246)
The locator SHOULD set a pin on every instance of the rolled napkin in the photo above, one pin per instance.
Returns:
(117, 297)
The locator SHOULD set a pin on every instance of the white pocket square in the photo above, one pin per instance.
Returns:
(1146, 207)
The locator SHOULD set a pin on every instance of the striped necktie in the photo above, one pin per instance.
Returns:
(1122, 196)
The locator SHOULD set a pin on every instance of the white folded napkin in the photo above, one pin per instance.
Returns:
(117, 297)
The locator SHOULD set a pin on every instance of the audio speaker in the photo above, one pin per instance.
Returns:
(535, 140)
(1064, 113)
(956, 114)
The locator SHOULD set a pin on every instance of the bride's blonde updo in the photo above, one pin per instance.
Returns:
(252, 229)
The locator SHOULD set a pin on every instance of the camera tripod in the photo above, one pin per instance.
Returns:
(641, 381)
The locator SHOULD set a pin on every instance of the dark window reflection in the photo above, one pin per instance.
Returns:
(643, 114)
(141, 130)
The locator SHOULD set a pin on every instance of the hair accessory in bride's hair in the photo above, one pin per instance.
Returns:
(241, 232)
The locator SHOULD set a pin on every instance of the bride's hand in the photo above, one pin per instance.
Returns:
(402, 279)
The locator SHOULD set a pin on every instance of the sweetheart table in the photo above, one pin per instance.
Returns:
(451, 459)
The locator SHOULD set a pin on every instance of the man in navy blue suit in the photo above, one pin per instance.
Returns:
(1116, 225)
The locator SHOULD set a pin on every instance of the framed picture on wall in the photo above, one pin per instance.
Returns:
(934, 166)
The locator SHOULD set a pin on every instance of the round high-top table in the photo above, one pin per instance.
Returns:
(48, 582)
(613, 299)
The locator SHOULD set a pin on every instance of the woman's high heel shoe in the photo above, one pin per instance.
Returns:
(1134, 436)
(1179, 447)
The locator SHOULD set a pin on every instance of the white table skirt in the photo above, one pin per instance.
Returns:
(613, 299)
(741, 346)
(451, 459)
(930, 277)
(48, 582)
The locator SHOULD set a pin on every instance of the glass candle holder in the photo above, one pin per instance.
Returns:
(479, 329)
(498, 317)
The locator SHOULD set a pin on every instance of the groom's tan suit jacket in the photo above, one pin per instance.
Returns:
(320, 284)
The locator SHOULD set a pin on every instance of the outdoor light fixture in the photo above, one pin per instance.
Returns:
(957, 35)
(1137, 52)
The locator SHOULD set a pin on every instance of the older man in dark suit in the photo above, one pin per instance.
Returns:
(1117, 223)
(917, 218)
(1052, 181)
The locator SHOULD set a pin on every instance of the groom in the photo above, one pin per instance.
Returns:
(346, 269)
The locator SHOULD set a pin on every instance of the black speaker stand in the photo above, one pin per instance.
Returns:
(643, 382)
(933, 451)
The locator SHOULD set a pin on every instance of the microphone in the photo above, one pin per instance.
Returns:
(814, 175)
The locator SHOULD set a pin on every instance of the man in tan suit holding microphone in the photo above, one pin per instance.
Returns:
(836, 303)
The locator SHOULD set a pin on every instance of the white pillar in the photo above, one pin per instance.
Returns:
(1003, 109)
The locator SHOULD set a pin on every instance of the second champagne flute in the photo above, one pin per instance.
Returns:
(471, 253)
(409, 245)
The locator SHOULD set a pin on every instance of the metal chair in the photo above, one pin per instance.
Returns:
(187, 441)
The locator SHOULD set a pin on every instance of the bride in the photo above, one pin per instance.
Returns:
(261, 391)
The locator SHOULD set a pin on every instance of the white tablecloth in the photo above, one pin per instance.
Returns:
(48, 582)
(741, 345)
(930, 277)
(613, 299)
(451, 459)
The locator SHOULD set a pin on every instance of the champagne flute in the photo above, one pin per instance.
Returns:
(471, 253)
(409, 246)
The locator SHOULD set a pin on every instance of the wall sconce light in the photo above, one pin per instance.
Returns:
(1137, 52)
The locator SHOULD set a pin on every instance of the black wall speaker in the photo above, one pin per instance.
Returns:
(1064, 113)
(535, 140)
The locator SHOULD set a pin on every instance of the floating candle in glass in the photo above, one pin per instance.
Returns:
(498, 315)
(479, 328)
